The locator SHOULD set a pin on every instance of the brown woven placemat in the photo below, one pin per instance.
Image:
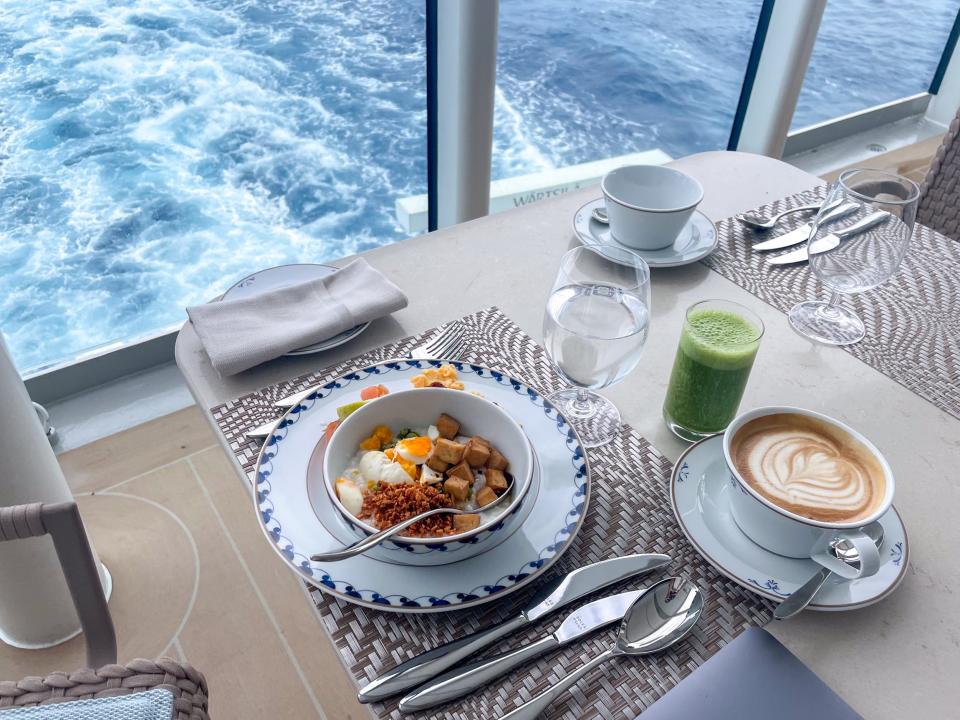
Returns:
(629, 512)
(913, 327)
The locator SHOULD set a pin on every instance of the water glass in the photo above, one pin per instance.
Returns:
(718, 345)
(594, 328)
(888, 206)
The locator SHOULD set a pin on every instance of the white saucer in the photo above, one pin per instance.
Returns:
(700, 487)
(698, 238)
(282, 276)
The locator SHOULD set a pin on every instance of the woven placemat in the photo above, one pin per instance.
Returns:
(913, 327)
(629, 512)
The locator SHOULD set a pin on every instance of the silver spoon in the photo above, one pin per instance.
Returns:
(804, 595)
(600, 215)
(657, 619)
(361, 546)
(762, 224)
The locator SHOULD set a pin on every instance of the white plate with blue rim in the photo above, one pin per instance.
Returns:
(696, 240)
(700, 488)
(286, 515)
(283, 276)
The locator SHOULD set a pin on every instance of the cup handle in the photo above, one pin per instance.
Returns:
(869, 554)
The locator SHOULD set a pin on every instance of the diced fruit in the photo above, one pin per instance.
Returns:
(344, 411)
(462, 523)
(485, 496)
(350, 495)
(372, 393)
(495, 480)
(328, 431)
(457, 488)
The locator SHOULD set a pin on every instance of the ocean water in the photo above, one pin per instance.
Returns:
(154, 151)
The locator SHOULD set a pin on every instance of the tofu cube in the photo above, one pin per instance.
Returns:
(449, 451)
(435, 463)
(476, 453)
(496, 480)
(485, 496)
(457, 488)
(447, 427)
(462, 471)
(462, 523)
(496, 460)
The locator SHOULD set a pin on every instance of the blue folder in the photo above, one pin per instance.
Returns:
(754, 677)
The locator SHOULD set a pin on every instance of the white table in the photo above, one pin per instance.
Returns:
(897, 659)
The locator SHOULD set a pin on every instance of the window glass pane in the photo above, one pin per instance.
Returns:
(870, 52)
(152, 152)
(579, 81)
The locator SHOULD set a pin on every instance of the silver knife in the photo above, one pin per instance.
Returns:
(829, 242)
(461, 681)
(561, 591)
(799, 235)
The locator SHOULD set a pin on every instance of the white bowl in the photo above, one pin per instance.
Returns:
(648, 205)
(420, 408)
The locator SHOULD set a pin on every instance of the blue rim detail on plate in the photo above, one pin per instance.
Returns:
(346, 589)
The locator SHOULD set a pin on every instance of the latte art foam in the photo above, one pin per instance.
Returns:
(809, 467)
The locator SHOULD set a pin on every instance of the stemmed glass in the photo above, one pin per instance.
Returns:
(594, 328)
(852, 263)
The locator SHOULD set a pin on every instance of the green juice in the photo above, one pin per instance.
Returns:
(716, 352)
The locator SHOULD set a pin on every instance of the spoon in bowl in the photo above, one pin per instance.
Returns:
(842, 549)
(361, 546)
(659, 618)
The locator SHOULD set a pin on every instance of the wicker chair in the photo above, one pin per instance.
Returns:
(62, 521)
(940, 193)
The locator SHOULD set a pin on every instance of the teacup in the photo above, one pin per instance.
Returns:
(648, 205)
(845, 458)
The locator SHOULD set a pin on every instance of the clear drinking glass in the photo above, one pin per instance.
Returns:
(594, 328)
(860, 261)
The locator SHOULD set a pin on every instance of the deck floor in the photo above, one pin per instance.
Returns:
(194, 578)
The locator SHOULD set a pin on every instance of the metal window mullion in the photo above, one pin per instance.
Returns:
(775, 78)
(466, 63)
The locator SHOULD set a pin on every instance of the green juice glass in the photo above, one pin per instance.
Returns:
(717, 347)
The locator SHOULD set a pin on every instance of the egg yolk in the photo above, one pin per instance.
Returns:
(408, 467)
(418, 446)
(381, 436)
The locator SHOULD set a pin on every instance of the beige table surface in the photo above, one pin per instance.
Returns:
(897, 659)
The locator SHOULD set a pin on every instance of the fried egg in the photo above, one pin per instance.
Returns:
(415, 450)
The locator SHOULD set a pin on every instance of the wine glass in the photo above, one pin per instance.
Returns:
(866, 251)
(594, 328)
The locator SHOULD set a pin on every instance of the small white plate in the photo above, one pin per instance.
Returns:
(284, 276)
(698, 238)
(700, 488)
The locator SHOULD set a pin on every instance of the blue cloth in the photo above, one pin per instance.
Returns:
(156, 704)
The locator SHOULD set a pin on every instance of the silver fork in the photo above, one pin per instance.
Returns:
(762, 224)
(447, 343)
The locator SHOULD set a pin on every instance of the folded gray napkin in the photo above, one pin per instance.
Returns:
(238, 334)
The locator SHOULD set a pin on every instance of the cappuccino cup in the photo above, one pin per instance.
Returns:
(803, 481)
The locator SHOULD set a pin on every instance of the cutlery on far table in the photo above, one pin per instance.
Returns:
(445, 344)
(464, 680)
(831, 241)
(663, 616)
(763, 224)
(559, 592)
(800, 234)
